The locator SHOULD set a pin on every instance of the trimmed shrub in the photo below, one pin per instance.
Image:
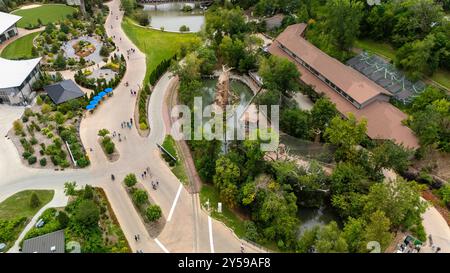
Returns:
(130, 180)
(34, 200)
(153, 213)
(26, 154)
(43, 162)
(32, 160)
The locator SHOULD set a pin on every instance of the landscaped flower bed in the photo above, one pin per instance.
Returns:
(150, 212)
(116, 63)
(72, 44)
(89, 220)
(42, 132)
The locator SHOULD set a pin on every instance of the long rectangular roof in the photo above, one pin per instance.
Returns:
(13, 73)
(356, 85)
(384, 121)
(7, 20)
(47, 243)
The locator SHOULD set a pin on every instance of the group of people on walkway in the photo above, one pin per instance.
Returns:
(145, 173)
(114, 134)
(127, 124)
(130, 51)
(155, 184)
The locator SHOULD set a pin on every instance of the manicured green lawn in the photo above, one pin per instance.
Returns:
(18, 205)
(179, 169)
(20, 48)
(228, 217)
(382, 49)
(47, 13)
(156, 44)
(169, 146)
(441, 76)
(209, 192)
(16, 212)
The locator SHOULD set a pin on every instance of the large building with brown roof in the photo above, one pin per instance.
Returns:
(350, 90)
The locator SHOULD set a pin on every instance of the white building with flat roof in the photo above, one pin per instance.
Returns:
(8, 27)
(16, 79)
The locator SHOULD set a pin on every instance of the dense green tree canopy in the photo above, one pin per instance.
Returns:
(87, 213)
(279, 74)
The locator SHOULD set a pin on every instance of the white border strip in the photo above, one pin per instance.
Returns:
(211, 241)
(174, 203)
(161, 245)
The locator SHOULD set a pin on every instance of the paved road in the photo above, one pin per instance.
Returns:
(188, 228)
(436, 226)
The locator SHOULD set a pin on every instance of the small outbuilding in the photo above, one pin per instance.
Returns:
(63, 91)
(47, 243)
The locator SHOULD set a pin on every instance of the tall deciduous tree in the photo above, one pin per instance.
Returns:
(346, 134)
(321, 114)
(330, 240)
(189, 69)
(87, 213)
(226, 177)
(417, 58)
(342, 21)
(353, 234)
(232, 51)
(391, 156)
(220, 22)
(377, 230)
(279, 74)
(399, 200)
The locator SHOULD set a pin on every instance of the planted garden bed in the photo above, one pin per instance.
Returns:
(45, 133)
(150, 213)
(88, 220)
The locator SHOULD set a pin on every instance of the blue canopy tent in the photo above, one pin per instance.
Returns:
(90, 107)
(93, 102)
(97, 98)
(108, 90)
(102, 94)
